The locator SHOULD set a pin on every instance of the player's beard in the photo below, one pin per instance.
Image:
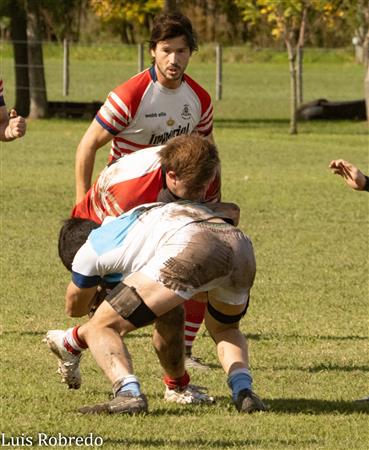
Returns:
(166, 74)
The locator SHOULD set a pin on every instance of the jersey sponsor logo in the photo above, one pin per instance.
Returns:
(170, 122)
(158, 139)
(155, 114)
(186, 113)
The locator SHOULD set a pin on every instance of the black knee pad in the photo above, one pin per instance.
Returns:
(126, 301)
(225, 318)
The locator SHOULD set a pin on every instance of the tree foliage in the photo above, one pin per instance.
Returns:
(132, 19)
(289, 21)
(61, 19)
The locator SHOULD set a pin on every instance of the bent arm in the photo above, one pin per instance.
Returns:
(94, 138)
(78, 300)
(228, 210)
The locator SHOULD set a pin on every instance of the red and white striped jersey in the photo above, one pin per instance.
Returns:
(2, 101)
(142, 113)
(129, 182)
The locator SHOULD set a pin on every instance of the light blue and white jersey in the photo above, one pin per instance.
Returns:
(126, 244)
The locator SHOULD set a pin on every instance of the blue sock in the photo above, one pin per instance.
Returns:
(130, 384)
(238, 380)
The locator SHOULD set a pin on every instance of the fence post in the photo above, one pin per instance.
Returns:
(65, 68)
(140, 49)
(219, 74)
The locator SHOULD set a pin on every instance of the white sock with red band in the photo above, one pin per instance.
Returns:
(72, 342)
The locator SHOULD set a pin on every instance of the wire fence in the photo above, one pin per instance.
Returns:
(241, 80)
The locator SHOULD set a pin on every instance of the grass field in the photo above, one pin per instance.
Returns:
(307, 324)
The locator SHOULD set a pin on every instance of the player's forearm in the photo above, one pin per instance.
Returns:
(85, 160)
(78, 300)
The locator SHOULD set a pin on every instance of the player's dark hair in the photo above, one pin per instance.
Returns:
(194, 160)
(172, 25)
(73, 234)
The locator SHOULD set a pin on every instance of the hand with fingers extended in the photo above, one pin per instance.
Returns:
(351, 174)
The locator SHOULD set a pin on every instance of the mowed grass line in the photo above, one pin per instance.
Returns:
(307, 323)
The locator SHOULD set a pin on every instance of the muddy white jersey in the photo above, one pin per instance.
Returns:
(171, 245)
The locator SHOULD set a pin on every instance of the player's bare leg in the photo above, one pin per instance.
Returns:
(103, 335)
(168, 341)
(233, 355)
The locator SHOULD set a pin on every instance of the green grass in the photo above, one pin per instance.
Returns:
(307, 323)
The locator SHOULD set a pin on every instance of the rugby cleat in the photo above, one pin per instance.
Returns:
(191, 362)
(248, 402)
(123, 403)
(68, 363)
(189, 395)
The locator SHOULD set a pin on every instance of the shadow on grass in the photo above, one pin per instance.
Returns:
(42, 333)
(323, 127)
(322, 367)
(202, 442)
(251, 336)
(334, 367)
(270, 337)
(311, 406)
(23, 333)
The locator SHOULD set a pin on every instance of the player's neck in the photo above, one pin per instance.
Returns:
(169, 84)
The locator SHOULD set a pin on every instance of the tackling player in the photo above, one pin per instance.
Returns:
(149, 175)
(198, 169)
(163, 254)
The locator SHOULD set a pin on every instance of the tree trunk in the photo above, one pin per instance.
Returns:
(293, 83)
(38, 97)
(366, 49)
(300, 57)
(366, 88)
(300, 75)
(18, 33)
(211, 12)
(170, 6)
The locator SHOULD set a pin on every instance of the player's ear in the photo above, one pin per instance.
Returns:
(172, 176)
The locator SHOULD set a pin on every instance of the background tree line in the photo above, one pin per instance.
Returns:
(228, 22)
(260, 23)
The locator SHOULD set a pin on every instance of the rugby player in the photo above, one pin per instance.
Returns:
(197, 162)
(155, 174)
(162, 254)
(157, 104)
